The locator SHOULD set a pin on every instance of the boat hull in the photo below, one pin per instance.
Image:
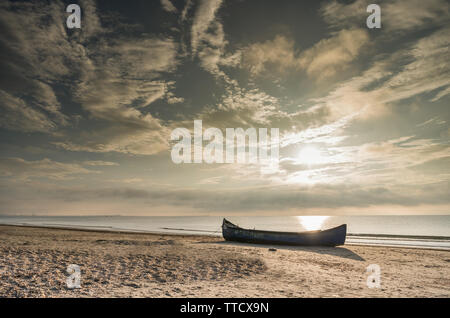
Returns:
(331, 237)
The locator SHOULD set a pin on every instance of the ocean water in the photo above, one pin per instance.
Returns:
(410, 231)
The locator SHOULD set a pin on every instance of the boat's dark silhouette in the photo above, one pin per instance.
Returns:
(331, 237)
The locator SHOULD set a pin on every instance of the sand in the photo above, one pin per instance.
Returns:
(34, 261)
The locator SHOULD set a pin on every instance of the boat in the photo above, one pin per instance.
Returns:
(331, 237)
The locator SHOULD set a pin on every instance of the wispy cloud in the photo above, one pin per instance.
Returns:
(96, 163)
(18, 168)
(168, 6)
(323, 60)
(398, 16)
(203, 20)
(17, 115)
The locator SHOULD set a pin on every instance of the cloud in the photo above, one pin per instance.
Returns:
(441, 94)
(186, 9)
(118, 101)
(324, 133)
(92, 26)
(326, 58)
(96, 163)
(113, 79)
(255, 108)
(168, 6)
(22, 169)
(172, 99)
(415, 14)
(419, 68)
(139, 57)
(134, 135)
(118, 83)
(17, 115)
(203, 18)
(397, 16)
(329, 56)
(278, 54)
(123, 77)
(393, 153)
(428, 70)
(32, 60)
(208, 41)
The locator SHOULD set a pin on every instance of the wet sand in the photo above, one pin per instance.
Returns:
(34, 261)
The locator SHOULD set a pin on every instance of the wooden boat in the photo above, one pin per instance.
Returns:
(331, 237)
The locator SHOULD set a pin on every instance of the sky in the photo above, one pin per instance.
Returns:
(87, 114)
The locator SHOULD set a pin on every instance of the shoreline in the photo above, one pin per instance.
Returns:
(162, 233)
(95, 230)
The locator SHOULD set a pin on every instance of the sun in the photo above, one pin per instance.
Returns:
(313, 222)
(310, 155)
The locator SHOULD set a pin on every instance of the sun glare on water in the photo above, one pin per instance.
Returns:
(312, 222)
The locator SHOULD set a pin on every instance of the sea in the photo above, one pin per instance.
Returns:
(418, 231)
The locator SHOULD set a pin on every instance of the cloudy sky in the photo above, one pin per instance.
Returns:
(86, 115)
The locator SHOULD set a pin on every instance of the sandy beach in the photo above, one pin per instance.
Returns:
(34, 261)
